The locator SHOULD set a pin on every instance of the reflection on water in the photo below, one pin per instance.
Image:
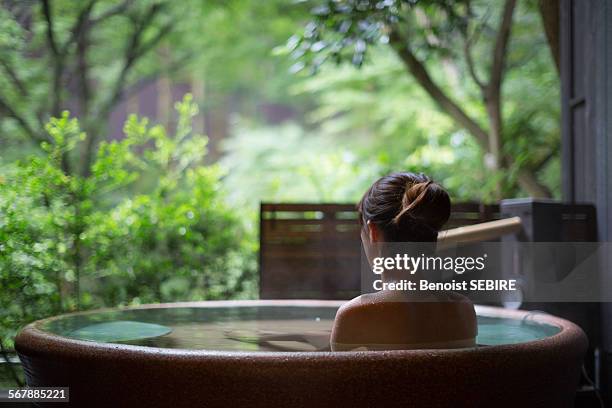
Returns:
(119, 331)
(264, 328)
(495, 331)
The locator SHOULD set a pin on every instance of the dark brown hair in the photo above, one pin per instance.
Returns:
(407, 207)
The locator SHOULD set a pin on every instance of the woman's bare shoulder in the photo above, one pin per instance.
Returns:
(383, 318)
(366, 311)
(358, 304)
(355, 309)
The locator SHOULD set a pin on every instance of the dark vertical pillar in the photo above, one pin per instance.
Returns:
(586, 76)
(577, 53)
(603, 130)
(586, 82)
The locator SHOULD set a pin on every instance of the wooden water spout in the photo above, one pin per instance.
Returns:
(479, 232)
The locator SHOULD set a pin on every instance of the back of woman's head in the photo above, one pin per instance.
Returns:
(406, 207)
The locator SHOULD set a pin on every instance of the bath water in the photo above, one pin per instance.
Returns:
(246, 328)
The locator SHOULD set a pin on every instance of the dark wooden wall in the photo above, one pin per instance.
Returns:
(586, 76)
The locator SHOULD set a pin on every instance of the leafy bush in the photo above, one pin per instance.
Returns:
(148, 223)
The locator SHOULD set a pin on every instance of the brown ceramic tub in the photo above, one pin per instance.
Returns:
(540, 373)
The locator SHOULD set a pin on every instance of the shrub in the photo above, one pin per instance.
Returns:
(147, 223)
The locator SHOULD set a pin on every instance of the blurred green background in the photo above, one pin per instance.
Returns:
(138, 137)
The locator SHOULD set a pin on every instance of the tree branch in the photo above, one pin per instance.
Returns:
(468, 41)
(79, 26)
(419, 72)
(163, 32)
(552, 152)
(549, 11)
(83, 72)
(134, 50)
(526, 179)
(23, 123)
(14, 77)
(50, 31)
(113, 11)
(492, 92)
(501, 47)
(531, 185)
(467, 52)
(21, 87)
(84, 93)
(58, 63)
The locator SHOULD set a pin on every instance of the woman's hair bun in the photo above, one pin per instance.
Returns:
(424, 202)
(408, 207)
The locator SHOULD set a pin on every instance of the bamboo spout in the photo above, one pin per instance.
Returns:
(479, 232)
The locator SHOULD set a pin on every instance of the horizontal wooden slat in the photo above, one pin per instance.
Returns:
(266, 207)
(305, 281)
(306, 264)
(311, 250)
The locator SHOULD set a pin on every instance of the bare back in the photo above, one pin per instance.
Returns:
(386, 321)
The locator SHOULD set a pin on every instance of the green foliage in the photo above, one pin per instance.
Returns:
(338, 158)
(373, 119)
(231, 42)
(343, 31)
(287, 164)
(108, 50)
(438, 33)
(34, 72)
(148, 224)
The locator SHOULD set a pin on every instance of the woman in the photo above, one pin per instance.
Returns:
(403, 207)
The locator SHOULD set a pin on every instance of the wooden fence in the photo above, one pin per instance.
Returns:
(313, 251)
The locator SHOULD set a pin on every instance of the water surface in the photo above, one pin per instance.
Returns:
(252, 328)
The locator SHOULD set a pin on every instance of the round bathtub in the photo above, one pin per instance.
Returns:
(273, 354)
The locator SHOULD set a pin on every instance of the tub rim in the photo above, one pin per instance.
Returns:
(32, 340)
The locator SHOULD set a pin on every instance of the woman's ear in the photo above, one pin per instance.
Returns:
(373, 232)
